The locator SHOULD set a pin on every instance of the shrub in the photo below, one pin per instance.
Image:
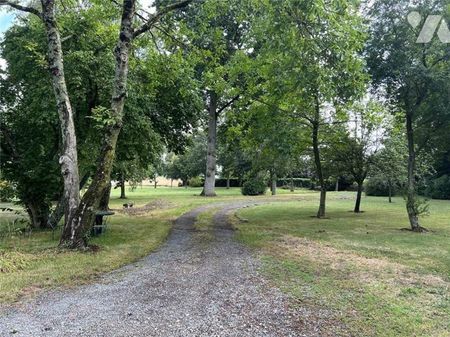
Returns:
(7, 192)
(254, 186)
(378, 187)
(439, 188)
(195, 182)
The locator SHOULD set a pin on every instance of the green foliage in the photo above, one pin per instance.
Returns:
(439, 188)
(195, 182)
(254, 186)
(7, 191)
(378, 186)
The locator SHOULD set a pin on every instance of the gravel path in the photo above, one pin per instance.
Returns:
(192, 286)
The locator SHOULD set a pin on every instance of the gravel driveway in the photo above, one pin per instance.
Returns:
(191, 286)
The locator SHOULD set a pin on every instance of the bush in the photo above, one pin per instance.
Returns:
(378, 187)
(439, 188)
(254, 186)
(195, 182)
(7, 192)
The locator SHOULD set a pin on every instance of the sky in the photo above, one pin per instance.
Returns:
(5, 22)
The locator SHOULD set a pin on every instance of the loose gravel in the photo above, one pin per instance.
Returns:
(192, 286)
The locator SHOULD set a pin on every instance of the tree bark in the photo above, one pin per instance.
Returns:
(58, 212)
(228, 182)
(390, 190)
(274, 184)
(122, 187)
(318, 163)
(358, 197)
(210, 177)
(292, 183)
(69, 157)
(104, 202)
(337, 185)
(74, 233)
(411, 206)
(38, 213)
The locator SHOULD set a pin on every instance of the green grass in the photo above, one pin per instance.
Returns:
(379, 280)
(32, 262)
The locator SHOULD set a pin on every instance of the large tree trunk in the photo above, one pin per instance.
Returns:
(228, 182)
(58, 212)
(69, 158)
(74, 233)
(104, 202)
(411, 206)
(210, 178)
(318, 163)
(122, 187)
(358, 197)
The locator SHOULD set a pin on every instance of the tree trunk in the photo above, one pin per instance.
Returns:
(228, 182)
(274, 184)
(210, 178)
(104, 202)
(38, 213)
(318, 164)
(122, 187)
(292, 184)
(58, 212)
(390, 190)
(69, 157)
(337, 185)
(156, 182)
(74, 233)
(358, 198)
(411, 206)
(171, 183)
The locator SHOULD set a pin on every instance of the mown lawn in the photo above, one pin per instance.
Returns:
(31, 262)
(377, 279)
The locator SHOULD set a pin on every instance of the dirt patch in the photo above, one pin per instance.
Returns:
(151, 206)
(352, 265)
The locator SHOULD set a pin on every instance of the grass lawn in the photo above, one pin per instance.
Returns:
(32, 262)
(379, 280)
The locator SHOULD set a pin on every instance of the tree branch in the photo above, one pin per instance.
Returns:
(20, 7)
(226, 105)
(155, 17)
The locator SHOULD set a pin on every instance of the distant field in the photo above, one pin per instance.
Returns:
(380, 280)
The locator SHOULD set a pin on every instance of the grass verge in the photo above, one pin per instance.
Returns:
(377, 279)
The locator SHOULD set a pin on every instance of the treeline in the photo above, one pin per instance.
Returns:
(99, 91)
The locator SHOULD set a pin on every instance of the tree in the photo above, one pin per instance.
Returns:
(190, 163)
(355, 154)
(69, 157)
(311, 65)
(216, 35)
(412, 76)
(80, 214)
(390, 161)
